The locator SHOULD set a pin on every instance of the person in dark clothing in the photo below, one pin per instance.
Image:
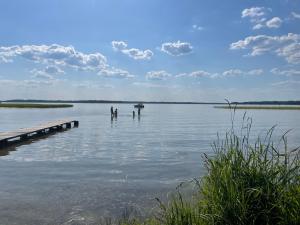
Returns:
(139, 111)
(112, 111)
(116, 112)
(133, 114)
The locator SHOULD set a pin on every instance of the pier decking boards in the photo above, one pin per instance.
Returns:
(24, 134)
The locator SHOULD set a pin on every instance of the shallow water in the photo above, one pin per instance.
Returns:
(104, 167)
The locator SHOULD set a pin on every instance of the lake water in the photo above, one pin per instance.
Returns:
(104, 167)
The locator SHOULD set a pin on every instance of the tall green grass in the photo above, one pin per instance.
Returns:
(247, 183)
(251, 184)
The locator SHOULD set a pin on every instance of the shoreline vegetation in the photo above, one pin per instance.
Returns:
(246, 182)
(258, 107)
(111, 102)
(34, 105)
(153, 102)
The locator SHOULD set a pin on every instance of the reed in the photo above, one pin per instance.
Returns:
(251, 183)
(247, 182)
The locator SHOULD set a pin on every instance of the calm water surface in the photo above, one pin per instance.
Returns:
(103, 167)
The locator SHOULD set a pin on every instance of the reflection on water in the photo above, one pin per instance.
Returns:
(106, 166)
(5, 151)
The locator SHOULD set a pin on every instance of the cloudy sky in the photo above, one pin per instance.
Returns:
(168, 50)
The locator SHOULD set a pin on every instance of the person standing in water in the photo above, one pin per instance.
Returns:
(139, 111)
(133, 114)
(116, 112)
(111, 111)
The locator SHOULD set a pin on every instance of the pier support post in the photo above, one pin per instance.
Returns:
(3, 143)
(76, 123)
(68, 125)
(40, 133)
(23, 137)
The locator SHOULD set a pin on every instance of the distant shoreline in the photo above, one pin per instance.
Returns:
(105, 102)
(38, 106)
(152, 102)
(268, 107)
(267, 103)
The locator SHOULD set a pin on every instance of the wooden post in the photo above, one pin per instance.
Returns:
(23, 137)
(3, 143)
(40, 133)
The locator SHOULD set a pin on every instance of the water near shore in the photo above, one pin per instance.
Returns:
(105, 166)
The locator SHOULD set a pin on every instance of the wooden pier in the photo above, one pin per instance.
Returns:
(24, 134)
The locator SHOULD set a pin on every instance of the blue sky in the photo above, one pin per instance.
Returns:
(150, 50)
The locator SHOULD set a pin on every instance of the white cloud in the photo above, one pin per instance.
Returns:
(232, 72)
(118, 45)
(37, 83)
(199, 73)
(149, 85)
(158, 75)
(138, 54)
(115, 73)
(295, 15)
(132, 52)
(196, 74)
(197, 27)
(290, 52)
(53, 70)
(181, 75)
(55, 54)
(286, 46)
(91, 84)
(5, 58)
(287, 83)
(275, 22)
(254, 12)
(41, 74)
(177, 48)
(238, 72)
(47, 72)
(290, 72)
(255, 72)
(257, 26)
(226, 73)
(257, 16)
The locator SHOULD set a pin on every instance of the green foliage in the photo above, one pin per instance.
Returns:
(33, 105)
(247, 183)
(251, 184)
